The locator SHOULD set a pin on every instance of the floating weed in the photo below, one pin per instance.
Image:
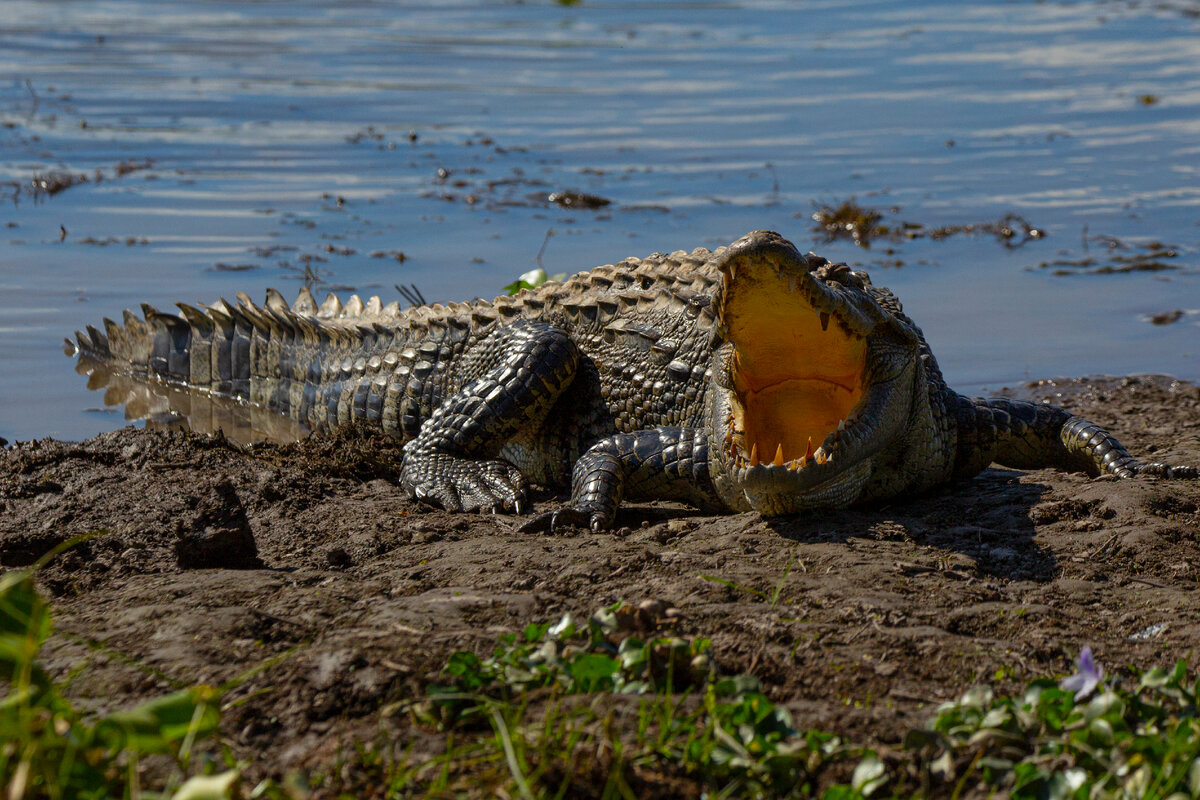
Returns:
(1116, 257)
(532, 279)
(863, 225)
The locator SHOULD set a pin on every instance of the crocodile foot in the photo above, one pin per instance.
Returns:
(460, 484)
(594, 519)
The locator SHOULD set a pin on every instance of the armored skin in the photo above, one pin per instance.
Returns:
(749, 377)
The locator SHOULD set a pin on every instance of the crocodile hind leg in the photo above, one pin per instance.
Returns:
(662, 463)
(1031, 436)
(454, 460)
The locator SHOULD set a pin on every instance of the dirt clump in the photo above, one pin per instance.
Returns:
(203, 560)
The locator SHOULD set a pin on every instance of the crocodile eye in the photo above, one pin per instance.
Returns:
(840, 273)
(846, 276)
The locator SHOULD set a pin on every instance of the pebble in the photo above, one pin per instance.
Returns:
(232, 548)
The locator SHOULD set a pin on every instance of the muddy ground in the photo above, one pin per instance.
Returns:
(881, 613)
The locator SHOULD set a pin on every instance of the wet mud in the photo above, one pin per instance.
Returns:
(208, 559)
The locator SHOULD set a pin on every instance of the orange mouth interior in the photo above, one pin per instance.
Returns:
(797, 372)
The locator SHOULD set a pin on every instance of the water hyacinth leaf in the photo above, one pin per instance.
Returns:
(943, 767)
(869, 775)
(1064, 784)
(998, 717)
(224, 786)
(605, 620)
(1153, 678)
(736, 686)
(468, 669)
(1101, 732)
(593, 672)
(546, 653)
(1033, 693)
(1138, 781)
(518, 675)
(534, 632)
(160, 724)
(1103, 704)
(976, 697)
(633, 655)
(919, 739)
(563, 629)
(535, 277)
(1028, 774)
(1194, 778)
(528, 280)
(517, 286)
(840, 793)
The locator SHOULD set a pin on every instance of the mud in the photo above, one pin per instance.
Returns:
(860, 621)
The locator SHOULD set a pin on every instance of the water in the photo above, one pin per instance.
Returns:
(261, 139)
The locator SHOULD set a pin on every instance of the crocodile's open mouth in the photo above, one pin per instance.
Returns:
(798, 369)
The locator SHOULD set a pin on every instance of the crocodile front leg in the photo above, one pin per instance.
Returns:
(660, 464)
(1031, 436)
(453, 461)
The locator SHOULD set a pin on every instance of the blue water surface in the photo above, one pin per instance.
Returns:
(232, 146)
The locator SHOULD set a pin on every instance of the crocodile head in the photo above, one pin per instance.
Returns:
(813, 383)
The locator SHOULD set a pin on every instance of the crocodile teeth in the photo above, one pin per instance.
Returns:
(820, 456)
(824, 320)
(808, 454)
(754, 454)
(791, 283)
(841, 425)
(778, 455)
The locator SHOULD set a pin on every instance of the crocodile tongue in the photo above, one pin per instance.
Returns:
(798, 370)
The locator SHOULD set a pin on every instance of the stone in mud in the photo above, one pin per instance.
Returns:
(219, 534)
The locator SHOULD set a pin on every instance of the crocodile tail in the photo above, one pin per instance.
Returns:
(299, 360)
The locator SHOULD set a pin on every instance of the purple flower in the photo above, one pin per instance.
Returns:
(1087, 679)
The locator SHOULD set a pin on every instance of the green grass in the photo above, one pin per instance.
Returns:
(585, 709)
(49, 749)
(576, 710)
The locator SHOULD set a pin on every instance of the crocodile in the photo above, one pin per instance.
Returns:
(750, 377)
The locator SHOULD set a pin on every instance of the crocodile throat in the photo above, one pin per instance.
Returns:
(798, 370)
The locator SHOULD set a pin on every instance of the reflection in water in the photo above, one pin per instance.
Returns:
(168, 406)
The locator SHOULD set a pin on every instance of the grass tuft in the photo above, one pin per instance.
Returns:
(49, 749)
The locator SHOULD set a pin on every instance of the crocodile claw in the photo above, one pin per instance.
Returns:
(565, 518)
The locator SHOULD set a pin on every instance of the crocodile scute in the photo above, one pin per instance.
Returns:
(751, 377)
